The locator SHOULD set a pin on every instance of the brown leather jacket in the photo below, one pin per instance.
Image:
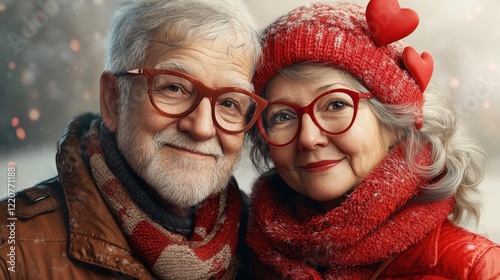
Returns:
(64, 230)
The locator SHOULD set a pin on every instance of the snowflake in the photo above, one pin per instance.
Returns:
(470, 247)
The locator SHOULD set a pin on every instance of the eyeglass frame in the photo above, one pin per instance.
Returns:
(203, 91)
(309, 109)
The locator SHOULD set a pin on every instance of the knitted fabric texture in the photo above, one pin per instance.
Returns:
(293, 238)
(338, 35)
(209, 250)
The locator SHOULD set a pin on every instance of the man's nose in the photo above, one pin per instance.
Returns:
(199, 122)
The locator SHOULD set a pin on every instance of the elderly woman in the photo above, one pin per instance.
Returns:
(361, 177)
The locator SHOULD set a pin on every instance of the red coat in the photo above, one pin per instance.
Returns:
(449, 252)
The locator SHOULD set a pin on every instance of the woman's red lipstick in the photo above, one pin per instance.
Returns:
(320, 166)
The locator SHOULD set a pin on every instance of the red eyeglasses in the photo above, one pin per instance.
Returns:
(175, 94)
(333, 112)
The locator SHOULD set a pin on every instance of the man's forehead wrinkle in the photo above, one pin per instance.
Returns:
(174, 65)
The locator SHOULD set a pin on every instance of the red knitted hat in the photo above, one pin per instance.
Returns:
(339, 35)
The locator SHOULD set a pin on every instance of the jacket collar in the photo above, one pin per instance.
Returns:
(419, 258)
(95, 237)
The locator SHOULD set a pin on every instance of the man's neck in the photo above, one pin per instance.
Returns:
(179, 211)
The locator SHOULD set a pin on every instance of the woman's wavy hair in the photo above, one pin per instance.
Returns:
(458, 161)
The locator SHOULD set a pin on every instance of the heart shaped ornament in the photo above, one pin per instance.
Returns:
(419, 66)
(388, 22)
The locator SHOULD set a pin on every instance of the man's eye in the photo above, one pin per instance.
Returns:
(173, 88)
(228, 104)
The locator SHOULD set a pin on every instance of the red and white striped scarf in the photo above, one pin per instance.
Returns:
(206, 254)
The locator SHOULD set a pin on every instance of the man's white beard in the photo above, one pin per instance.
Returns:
(181, 181)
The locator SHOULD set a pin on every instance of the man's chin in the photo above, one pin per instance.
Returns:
(187, 190)
(188, 197)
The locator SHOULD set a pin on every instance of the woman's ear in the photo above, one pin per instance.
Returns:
(109, 99)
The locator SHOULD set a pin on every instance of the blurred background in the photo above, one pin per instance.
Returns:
(51, 58)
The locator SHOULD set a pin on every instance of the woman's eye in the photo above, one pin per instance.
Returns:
(279, 118)
(337, 105)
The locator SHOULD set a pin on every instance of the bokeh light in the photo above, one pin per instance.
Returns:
(27, 77)
(493, 66)
(454, 82)
(14, 121)
(20, 133)
(486, 104)
(12, 65)
(34, 114)
(74, 45)
(477, 10)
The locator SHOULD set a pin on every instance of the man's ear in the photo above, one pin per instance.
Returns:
(109, 101)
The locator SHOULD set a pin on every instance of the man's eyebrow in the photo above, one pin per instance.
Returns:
(173, 65)
(244, 84)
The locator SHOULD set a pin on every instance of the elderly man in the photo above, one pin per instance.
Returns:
(145, 190)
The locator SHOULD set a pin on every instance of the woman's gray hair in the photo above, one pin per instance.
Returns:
(136, 22)
(457, 156)
(458, 161)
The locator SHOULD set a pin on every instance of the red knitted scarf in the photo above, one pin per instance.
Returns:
(208, 252)
(294, 239)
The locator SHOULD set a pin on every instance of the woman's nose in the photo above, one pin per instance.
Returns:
(310, 135)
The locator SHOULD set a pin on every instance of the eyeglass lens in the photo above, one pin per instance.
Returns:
(176, 95)
(332, 112)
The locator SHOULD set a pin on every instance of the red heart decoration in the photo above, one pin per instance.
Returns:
(388, 22)
(419, 66)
